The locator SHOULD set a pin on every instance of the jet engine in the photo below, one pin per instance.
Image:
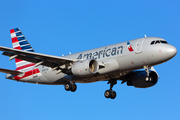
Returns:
(139, 80)
(86, 67)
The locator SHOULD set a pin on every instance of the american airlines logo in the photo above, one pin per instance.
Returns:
(129, 47)
(107, 52)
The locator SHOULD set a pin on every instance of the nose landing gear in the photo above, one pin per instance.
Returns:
(148, 78)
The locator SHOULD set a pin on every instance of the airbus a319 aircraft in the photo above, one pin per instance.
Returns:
(122, 61)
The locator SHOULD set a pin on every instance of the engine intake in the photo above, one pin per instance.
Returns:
(139, 80)
(86, 67)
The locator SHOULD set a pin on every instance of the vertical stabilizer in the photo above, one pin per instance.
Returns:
(20, 42)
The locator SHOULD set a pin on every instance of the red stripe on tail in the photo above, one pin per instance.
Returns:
(14, 39)
(12, 31)
(18, 60)
(25, 66)
(19, 48)
(29, 73)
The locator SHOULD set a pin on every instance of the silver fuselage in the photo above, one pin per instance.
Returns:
(117, 59)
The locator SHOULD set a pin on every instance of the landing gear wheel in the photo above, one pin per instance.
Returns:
(68, 87)
(113, 94)
(107, 94)
(73, 88)
(110, 94)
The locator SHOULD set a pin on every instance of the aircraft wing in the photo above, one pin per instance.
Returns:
(43, 59)
(10, 71)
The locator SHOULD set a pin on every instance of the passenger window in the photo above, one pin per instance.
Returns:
(157, 42)
(152, 42)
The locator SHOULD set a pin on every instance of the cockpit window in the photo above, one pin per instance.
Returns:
(162, 41)
(158, 41)
(152, 42)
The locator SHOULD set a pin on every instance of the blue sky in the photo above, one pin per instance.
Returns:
(58, 27)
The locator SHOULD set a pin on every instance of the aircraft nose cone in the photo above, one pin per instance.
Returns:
(171, 51)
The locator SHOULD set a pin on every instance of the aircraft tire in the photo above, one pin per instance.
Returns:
(107, 94)
(113, 94)
(73, 88)
(68, 87)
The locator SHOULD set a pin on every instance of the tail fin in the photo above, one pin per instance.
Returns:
(20, 42)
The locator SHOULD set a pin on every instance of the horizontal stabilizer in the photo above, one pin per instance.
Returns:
(10, 71)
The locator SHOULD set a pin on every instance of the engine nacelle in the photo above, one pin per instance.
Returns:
(85, 68)
(139, 80)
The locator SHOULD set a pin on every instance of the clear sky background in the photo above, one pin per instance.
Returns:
(58, 27)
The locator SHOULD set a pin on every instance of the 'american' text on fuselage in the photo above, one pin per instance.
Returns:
(107, 52)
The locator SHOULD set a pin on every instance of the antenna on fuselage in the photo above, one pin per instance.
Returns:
(145, 35)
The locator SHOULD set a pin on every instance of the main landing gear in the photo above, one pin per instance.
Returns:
(70, 87)
(110, 93)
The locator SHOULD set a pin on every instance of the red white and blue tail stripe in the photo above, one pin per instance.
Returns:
(20, 42)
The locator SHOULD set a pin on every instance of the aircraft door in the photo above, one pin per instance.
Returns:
(139, 45)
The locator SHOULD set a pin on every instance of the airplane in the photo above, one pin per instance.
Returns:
(130, 62)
